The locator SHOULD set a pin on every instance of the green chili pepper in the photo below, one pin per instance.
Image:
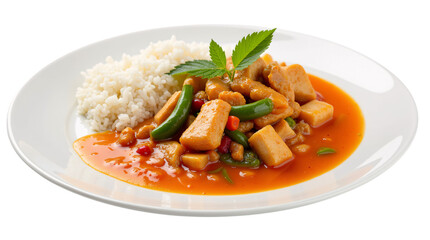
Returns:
(250, 159)
(291, 122)
(177, 118)
(252, 110)
(325, 150)
(238, 137)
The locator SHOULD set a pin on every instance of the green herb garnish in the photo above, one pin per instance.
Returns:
(246, 51)
(325, 150)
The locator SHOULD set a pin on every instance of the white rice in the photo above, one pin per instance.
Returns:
(119, 94)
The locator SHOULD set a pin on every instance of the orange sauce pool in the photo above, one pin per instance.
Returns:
(343, 133)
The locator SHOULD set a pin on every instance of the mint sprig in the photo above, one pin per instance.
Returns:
(246, 51)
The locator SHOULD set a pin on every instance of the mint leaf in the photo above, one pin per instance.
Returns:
(249, 49)
(199, 68)
(217, 54)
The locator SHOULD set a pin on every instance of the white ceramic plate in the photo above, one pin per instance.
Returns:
(42, 123)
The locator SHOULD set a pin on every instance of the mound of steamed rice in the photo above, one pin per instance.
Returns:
(119, 94)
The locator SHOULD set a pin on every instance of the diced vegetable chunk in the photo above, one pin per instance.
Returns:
(206, 131)
(167, 109)
(316, 113)
(196, 161)
(284, 130)
(270, 147)
(171, 152)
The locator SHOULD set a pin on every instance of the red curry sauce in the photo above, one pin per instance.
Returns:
(343, 133)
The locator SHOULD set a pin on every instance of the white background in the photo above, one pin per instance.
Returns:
(394, 33)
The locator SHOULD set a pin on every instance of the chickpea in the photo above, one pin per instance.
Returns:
(302, 148)
(249, 134)
(126, 138)
(145, 131)
(236, 151)
(245, 126)
(213, 156)
(201, 95)
(299, 138)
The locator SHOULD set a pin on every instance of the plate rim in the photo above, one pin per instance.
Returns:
(229, 212)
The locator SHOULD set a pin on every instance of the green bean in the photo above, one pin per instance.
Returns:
(291, 122)
(226, 176)
(325, 150)
(238, 137)
(252, 110)
(250, 159)
(177, 118)
(223, 172)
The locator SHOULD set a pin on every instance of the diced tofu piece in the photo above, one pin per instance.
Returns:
(195, 161)
(232, 98)
(197, 83)
(303, 90)
(206, 131)
(270, 147)
(316, 113)
(253, 71)
(214, 87)
(170, 151)
(242, 85)
(167, 109)
(278, 81)
(284, 130)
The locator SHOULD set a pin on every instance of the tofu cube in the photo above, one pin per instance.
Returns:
(270, 147)
(303, 90)
(206, 131)
(253, 71)
(316, 113)
(284, 130)
(195, 161)
(167, 109)
(170, 151)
